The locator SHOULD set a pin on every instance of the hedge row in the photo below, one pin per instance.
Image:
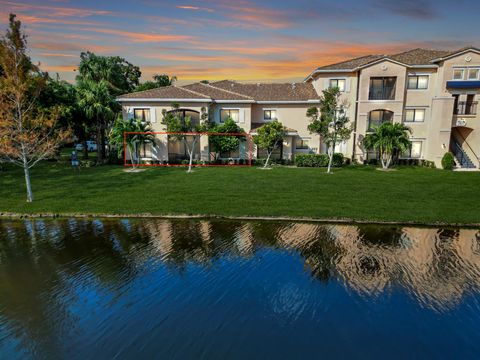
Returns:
(315, 160)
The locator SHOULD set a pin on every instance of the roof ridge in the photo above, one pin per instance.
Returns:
(228, 91)
(193, 92)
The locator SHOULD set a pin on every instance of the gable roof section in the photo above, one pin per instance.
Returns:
(271, 92)
(451, 54)
(416, 57)
(352, 64)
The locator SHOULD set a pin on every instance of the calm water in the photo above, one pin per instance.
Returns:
(82, 289)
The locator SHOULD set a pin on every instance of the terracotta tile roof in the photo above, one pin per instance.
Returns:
(271, 92)
(352, 63)
(216, 92)
(167, 92)
(411, 57)
(418, 56)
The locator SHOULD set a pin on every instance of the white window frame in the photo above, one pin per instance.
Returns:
(468, 73)
(463, 73)
(150, 109)
(417, 76)
(410, 150)
(414, 115)
(337, 80)
(229, 109)
(269, 109)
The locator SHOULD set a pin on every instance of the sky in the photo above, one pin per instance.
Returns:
(245, 40)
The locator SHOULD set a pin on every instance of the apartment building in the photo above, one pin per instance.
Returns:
(434, 92)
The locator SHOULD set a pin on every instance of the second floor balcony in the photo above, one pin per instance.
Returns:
(382, 88)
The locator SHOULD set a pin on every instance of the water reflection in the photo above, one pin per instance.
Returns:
(52, 271)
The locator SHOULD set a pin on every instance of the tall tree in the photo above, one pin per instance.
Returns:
(158, 81)
(100, 80)
(28, 132)
(269, 137)
(387, 139)
(331, 123)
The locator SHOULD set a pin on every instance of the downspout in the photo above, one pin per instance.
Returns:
(356, 115)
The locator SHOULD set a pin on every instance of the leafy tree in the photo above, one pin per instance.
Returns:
(28, 132)
(100, 80)
(175, 122)
(448, 161)
(388, 139)
(331, 123)
(65, 95)
(205, 81)
(158, 81)
(223, 143)
(133, 141)
(270, 136)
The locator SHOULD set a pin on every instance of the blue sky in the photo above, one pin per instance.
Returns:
(247, 40)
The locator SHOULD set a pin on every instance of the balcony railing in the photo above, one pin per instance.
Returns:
(466, 108)
(382, 93)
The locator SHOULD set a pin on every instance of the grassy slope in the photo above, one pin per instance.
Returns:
(409, 194)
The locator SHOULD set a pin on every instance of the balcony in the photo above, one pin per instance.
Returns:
(382, 88)
(466, 108)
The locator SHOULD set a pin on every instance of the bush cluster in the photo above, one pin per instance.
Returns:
(315, 160)
(448, 161)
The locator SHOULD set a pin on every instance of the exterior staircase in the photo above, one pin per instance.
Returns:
(463, 160)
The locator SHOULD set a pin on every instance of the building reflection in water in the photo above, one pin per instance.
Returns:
(437, 267)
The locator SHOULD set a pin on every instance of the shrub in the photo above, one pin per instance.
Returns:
(315, 160)
(448, 161)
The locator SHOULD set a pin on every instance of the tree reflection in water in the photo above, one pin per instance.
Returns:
(44, 265)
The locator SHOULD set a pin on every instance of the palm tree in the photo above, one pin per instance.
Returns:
(387, 139)
(98, 103)
(133, 142)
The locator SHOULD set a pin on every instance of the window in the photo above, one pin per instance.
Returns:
(418, 82)
(382, 88)
(415, 151)
(414, 115)
(229, 114)
(338, 83)
(141, 114)
(458, 74)
(378, 117)
(301, 144)
(269, 114)
(473, 74)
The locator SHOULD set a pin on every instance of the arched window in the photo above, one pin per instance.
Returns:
(194, 115)
(378, 117)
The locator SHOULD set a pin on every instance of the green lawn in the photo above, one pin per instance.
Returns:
(360, 193)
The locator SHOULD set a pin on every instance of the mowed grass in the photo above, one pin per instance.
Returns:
(360, 193)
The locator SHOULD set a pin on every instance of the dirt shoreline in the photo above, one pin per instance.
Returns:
(9, 215)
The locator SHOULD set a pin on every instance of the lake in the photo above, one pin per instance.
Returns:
(194, 289)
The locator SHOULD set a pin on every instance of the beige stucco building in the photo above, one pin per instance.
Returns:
(434, 92)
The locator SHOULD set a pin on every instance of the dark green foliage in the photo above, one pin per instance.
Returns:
(222, 143)
(316, 160)
(448, 161)
(158, 81)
